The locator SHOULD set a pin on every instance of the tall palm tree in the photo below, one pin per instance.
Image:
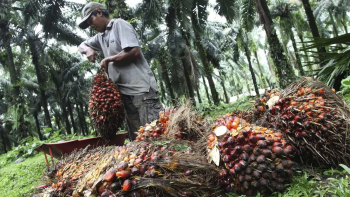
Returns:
(313, 27)
(284, 71)
(283, 11)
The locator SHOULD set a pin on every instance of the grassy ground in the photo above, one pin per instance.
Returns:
(21, 179)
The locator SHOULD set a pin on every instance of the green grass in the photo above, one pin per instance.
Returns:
(21, 179)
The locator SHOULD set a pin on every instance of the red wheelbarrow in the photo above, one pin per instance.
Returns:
(58, 149)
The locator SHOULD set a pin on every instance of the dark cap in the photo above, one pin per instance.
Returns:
(87, 11)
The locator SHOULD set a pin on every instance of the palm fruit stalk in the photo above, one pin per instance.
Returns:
(137, 169)
(315, 121)
(254, 159)
(105, 106)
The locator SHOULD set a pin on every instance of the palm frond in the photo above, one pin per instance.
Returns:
(248, 14)
(63, 33)
(227, 8)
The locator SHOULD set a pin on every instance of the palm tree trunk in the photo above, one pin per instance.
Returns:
(225, 92)
(247, 82)
(16, 99)
(35, 60)
(313, 26)
(198, 95)
(71, 116)
(37, 124)
(344, 24)
(167, 80)
(247, 53)
(297, 56)
(263, 80)
(80, 120)
(83, 118)
(57, 121)
(203, 57)
(3, 138)
(206, 90)
(63, 107)
(284, 70)
(335, 30)
(188, 80)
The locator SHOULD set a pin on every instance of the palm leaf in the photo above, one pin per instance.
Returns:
(227, 8)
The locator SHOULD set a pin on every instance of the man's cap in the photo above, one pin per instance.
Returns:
(87, 11)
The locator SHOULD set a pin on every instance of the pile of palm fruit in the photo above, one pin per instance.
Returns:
(255, 159)
(315, 120)
(106, 107)
(137, 169)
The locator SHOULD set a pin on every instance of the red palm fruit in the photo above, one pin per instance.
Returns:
(261, 144)
(279, 168)
(232, 172)
(109, 176)
(238, 149)
(248, 170)
(277, 150)
(234, 125)
(260, 159)
(127, 185)
(124, 174)
(188, 172)
(247, 149)
(320, 91)
(226, 158)
(211, 137)
(244, 156)
(122, 165)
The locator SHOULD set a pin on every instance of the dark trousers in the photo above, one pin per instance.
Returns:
(141, 109)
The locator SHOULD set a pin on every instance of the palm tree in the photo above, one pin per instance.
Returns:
(283, 11)
(313, 27)
(284, 71)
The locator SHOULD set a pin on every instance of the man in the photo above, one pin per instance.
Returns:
(124, 62)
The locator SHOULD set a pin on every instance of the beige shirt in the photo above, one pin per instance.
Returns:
(133, 78)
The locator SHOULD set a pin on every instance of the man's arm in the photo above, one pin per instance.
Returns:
(88, 51)
(126, 55)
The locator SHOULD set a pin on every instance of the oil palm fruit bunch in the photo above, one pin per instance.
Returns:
(147, 169)
(315, 121)
(246, 115)
(254, 159)
(105, 106)
(261, 106)
(172, 124)
(156, 128)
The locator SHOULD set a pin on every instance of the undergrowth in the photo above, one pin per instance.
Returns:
(211, 111)
(21, 179)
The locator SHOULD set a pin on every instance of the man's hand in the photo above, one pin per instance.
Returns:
(90, 54)
(104, 64)
(88, 51)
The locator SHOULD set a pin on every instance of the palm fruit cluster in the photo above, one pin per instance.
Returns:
(105, 106)
(136, 169)
(261, 105)
(157, 128)
(254, 159)
(312, 120)
(63, 179)
(246, 115)
(173, 124)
